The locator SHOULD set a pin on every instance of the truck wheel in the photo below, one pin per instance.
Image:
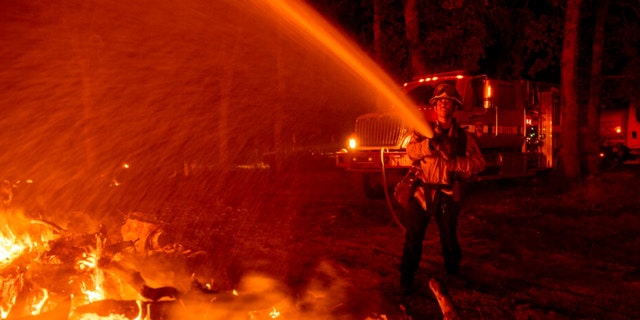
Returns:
(622, 153)
(372, 185)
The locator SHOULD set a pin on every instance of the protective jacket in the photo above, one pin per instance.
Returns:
(450, 155)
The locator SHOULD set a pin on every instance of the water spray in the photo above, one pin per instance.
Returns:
(311, 23)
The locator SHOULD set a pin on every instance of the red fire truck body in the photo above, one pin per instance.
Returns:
(619, 129)
(515, 124)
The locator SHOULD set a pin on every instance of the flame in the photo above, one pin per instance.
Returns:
(274, 313)
(16, 239)
(93, 316)
(20, 237)
(10, 246)
(10, 290)
(90, 263)
(36, 306)
(140, 310)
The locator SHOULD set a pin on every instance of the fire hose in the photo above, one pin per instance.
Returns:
(385, 187)
(425, 129)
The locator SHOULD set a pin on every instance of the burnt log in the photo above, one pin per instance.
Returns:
(104, 308)
(61, 312)
(447, 306)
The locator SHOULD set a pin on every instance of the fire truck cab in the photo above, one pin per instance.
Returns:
(515, 124)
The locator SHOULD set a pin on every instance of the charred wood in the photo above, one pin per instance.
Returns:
(447, 306)
(104, 308)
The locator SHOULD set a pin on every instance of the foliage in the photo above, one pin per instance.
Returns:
(622, 48)
(502, 38)
(454, 35)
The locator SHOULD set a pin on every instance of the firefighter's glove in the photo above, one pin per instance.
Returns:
(436, 143)
(460, 166)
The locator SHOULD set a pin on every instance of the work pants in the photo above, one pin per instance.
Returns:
(446, 211)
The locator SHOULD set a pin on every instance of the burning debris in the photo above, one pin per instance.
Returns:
(49, 272)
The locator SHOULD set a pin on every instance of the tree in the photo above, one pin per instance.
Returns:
(569, 153)
(412, 31)
(621, 66)
(377, 31)
(592, 138)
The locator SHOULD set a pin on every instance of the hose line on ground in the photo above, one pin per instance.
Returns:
(386, 193)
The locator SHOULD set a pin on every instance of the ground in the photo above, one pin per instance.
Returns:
(531, 250)
(307, 244)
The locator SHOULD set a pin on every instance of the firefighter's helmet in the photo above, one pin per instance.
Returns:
(446, 91)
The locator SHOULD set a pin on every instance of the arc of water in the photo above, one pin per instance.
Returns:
(311, 23)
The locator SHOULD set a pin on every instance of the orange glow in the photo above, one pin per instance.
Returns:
(10, 247)
(618, 130)
(92, 316)
(93, 291)
(311, 23)
(140, 310)
(274, 313)
(405, 142)
(18, 237)
(15, 238)
(36, 306)
(353, 143)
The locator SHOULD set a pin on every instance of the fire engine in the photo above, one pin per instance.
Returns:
(619, 130)
(516, 124)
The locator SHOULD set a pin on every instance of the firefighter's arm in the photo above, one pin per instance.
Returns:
(473, 163)
(418, 147)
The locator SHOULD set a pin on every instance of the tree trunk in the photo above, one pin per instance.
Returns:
(569, 156)
(377, 31)
(412, 27)
(592, 140)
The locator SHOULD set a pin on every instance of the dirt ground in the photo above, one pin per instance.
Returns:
(307, 244)
(531, 251)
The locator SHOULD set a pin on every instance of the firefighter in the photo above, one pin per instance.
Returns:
(452, 155)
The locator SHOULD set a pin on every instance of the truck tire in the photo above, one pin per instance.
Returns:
(372, 185)
(622, 153)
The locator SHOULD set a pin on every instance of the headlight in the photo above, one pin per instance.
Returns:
(352, 143)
